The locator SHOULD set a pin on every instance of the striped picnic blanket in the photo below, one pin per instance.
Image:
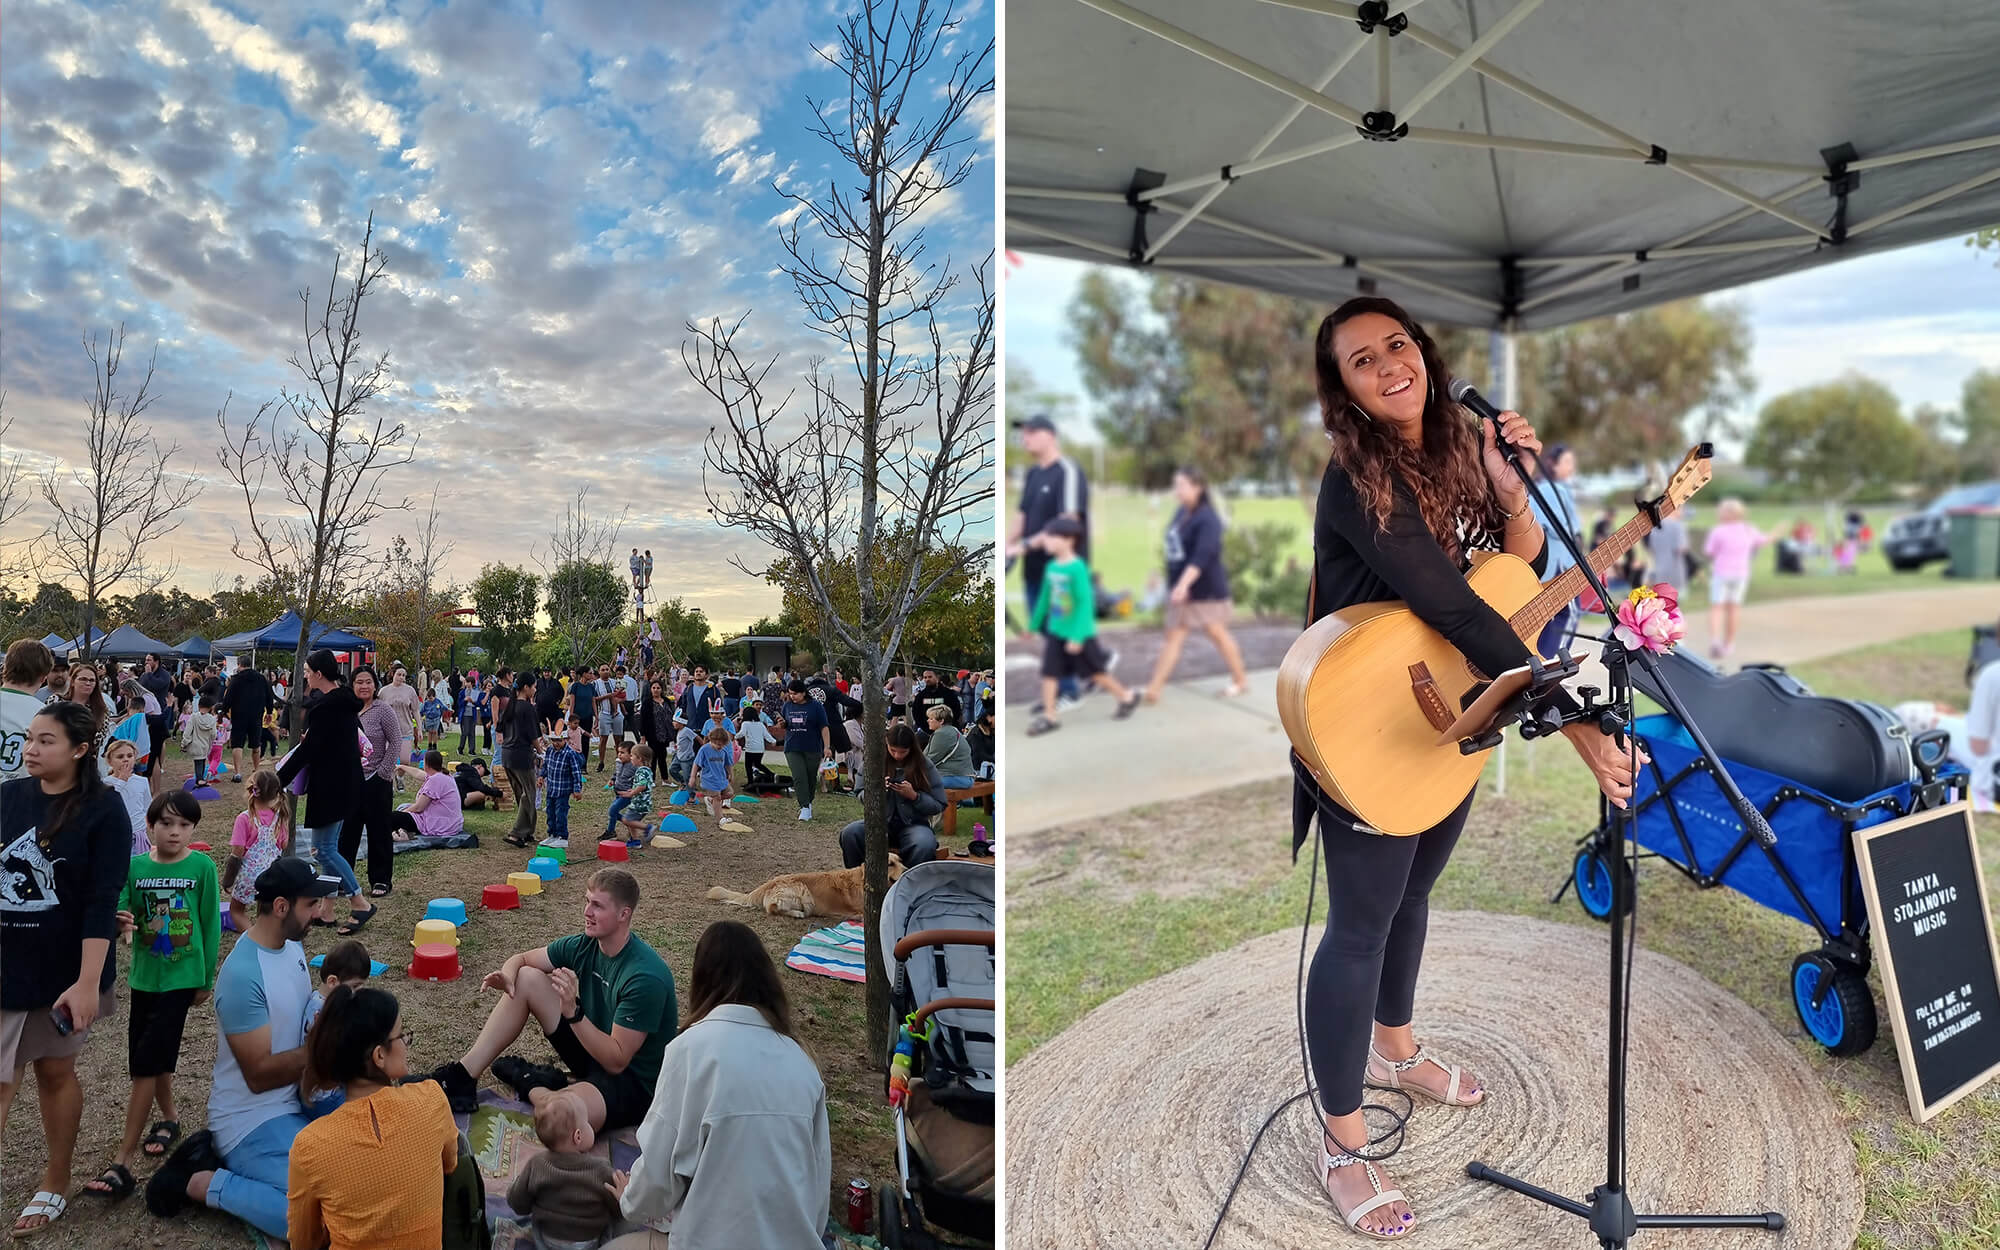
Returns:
(836, 951)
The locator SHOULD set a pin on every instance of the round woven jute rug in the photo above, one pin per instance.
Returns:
(1126, 1130)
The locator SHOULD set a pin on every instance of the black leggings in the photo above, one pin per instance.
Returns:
(1378, 891)
(377, 800)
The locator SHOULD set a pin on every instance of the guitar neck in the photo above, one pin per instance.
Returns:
(1529, 622)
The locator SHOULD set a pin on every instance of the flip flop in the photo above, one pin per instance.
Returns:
(117, 1180)
(163, 1134)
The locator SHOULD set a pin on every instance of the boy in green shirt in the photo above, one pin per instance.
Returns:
(172, 909)
(1067, 614)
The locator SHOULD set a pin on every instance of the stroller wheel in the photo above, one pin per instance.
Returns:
(888, 1218)
(1593, 883)
(1844, 1021)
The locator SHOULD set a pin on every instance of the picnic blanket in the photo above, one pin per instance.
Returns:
(502, 1133)
(838, 951)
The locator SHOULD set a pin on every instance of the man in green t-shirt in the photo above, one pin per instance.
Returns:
(604, 999)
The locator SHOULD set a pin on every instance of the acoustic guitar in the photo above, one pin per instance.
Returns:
(1366, 692)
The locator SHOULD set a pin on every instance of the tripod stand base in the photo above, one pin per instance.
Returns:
(1609, 1211)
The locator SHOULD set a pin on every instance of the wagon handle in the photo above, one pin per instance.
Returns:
(942, 937)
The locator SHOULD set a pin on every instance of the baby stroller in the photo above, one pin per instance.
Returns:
(1818, 769)
(937, 945)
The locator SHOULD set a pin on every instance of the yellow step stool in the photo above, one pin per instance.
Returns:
(526, 882)
(429, 931)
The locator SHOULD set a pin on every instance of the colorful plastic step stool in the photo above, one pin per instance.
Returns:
(450, 909)
(228, 925)
(499, 898)
(610, 849)
(525, 882)
(375, 966)
(679, 797)
(661, 842)
(674, 822)
(200, 846)
(746, 798)
(545, 868)
(430, 931)
(557, 851)
(434, 961)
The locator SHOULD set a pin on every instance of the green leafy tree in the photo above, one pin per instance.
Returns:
(1834, 440)
(585, 600)
(685, 635)
(1642, 385)
(505, 598)
(954, 626)
(1979, 421)
(1986, 239)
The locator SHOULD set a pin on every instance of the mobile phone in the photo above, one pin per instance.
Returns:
(60, 1015)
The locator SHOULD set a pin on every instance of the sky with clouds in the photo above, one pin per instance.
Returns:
(1918, 319)
(558, 186)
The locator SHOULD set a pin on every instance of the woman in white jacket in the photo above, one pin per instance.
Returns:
(735, 1153)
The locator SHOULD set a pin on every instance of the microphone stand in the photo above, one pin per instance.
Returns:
(1609, 1209)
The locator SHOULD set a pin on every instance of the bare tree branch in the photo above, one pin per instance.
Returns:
(321, 454)
(17, 489)
(585, 598)
(120, 498)
(891, 456)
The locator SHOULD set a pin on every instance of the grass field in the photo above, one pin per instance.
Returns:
(1093, 912)
(831, 1015)
(1126, 529)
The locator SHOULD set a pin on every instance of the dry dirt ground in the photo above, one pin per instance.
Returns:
(831, 1015)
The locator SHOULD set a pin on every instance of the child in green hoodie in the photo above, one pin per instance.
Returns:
(172, 907)
(1067, 613)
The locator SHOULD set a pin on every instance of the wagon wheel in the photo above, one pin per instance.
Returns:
(1844, 1022)
(1592, 876)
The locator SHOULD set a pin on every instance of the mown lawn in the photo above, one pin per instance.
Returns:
(1093, 912)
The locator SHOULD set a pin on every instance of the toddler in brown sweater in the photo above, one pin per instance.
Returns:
(565, 1190)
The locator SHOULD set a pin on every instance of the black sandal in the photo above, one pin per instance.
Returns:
(356, 922)
(163, 1134)
(380, 890)
(117, 1181)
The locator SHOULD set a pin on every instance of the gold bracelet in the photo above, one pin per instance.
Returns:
(1508, 516)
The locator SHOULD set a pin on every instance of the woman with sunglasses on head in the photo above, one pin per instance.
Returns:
(1414, 486)
(371, 1172)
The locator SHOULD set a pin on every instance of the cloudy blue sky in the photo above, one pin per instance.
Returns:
(1919, 320)
(559, 185)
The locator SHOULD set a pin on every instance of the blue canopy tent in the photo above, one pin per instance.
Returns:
(52, 641)
(127, 643)
(69, 646)
(195, 648)
(283, 635)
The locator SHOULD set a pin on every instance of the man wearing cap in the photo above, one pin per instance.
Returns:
(1054, 487)
(241, 1161)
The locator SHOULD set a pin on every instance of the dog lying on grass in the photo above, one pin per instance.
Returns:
(801, 894)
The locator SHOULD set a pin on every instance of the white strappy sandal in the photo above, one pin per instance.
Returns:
(1389, 1072)
(1328, 1161)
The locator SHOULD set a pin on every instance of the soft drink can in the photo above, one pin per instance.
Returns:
(858, 1202)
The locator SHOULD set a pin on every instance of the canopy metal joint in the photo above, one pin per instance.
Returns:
(1143, 180)
(1372, 13)
(1658, 156)
(1381, 127)
(1510, 288)
(1840, 180)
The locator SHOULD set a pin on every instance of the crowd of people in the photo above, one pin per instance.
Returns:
(320, 1128)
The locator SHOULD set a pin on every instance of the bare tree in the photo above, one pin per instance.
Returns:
(585, 597)
(409, 590)
(16, 492)
(323, 454)
(894, 460)
(110, 507)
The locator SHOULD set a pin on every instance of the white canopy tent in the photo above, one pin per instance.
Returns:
(1513, 164)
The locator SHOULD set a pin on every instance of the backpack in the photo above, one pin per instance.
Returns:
(465, 1224)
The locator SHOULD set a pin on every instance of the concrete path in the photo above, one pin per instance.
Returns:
(1194, 741)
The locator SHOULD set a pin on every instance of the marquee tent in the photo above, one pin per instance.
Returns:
(283, 635)
(1512, 164)
(195, 647)
(52, 641)
(67, 647)
(127, 643)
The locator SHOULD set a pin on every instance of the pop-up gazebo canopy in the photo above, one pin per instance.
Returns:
(283, 634)
(1515, 164)
(127, 643)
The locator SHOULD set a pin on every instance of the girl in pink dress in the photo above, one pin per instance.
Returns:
(259, 837)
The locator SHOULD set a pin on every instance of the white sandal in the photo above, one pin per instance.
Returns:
(1390, 1074)
(48, 1204)
(1329, 1161)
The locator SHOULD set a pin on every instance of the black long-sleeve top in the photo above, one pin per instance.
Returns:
(330, 751)
(1357, 561)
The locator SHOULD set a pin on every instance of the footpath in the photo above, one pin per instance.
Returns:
(1193, 741)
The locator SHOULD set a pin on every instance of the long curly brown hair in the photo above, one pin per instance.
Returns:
(1444, 471)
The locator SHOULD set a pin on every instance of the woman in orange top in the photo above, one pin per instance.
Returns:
(369, 1175)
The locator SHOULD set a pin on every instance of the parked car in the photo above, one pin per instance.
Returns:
(1917, 539)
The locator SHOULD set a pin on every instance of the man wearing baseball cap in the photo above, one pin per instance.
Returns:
(1053, 487)
(240, 1163)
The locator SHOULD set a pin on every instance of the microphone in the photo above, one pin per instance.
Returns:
(1463, 393)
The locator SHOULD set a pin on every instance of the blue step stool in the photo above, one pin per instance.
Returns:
(545, 868)
(446, 909)
(679, 797)
(674, 822)
(375, 966)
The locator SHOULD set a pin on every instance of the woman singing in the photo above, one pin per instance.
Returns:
(1415, 485)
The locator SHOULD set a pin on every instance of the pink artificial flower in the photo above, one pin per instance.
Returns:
(1650, 618)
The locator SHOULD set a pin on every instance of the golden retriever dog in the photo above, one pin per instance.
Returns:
(802, 894)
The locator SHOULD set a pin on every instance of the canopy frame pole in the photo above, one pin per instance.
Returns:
(1064, 236)
(1918, 154)
(1923, 202)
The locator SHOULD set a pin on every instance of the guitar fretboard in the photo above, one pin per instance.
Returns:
(1529, 622)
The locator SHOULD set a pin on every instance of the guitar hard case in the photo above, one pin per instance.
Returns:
(1767, 719)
